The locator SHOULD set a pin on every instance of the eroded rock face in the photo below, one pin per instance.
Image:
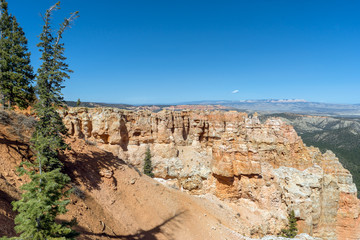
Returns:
(264, 169)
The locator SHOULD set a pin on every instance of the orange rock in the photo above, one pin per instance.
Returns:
(236, 158)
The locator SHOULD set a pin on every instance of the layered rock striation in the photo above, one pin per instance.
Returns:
(261, 170)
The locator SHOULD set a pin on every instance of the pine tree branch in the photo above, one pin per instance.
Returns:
(66, 24)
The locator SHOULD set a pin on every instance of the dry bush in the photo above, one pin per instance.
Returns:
(78, 192)
(4, 118)
(26, 122)
(20, 125)
(91, 143)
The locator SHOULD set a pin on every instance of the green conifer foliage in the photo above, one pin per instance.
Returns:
(40, 204)
(78, 102)
(16, 73)
(147, 165)
(46, 197)
(291, 230)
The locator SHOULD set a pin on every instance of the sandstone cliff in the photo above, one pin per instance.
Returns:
(111, 199)
(261, 170)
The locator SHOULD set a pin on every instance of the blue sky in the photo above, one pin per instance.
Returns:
(145, 52)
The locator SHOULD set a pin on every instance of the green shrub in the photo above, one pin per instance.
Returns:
(291, 230)
(147, 165)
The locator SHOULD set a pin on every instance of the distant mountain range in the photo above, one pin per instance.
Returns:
(97, 104)
(246, 101)
(288, 105)
(267, 106)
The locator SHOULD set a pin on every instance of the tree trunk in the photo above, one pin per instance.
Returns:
(2, 101)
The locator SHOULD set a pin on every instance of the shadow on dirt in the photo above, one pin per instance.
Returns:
(22, 149)
(150, 234)
(85, 168)
(15, 134)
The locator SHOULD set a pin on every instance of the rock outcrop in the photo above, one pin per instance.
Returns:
(260, 170)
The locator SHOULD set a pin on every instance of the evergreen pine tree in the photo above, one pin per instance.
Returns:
(16, 73)
(78, 102)
(45, 197)
(291, 230)
(5, 45)
(147, 164)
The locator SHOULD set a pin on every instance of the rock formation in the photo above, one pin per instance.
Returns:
(261, 170)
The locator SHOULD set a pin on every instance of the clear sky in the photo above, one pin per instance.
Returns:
(168, 51)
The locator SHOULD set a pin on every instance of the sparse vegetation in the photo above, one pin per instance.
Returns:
(147, 164)
(26, 121)
(22, 127)
(78, 103)
(291, 230)
(91, 143)
(18, 125)
(4, 118)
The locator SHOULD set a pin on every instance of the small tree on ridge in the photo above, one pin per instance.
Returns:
(147, 164)
(291, 230)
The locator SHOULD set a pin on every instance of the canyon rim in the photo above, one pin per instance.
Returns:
(262, 170)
